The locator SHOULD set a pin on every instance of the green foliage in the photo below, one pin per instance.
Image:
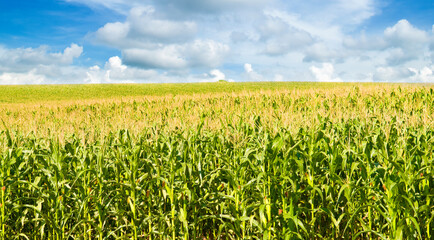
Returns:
(347, 180)
(41, 93)
(341, 161)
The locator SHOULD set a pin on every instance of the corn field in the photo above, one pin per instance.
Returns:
(352, 177)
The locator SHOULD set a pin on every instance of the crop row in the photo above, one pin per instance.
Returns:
(349, 180)
(292, 109)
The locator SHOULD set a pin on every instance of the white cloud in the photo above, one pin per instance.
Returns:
(113, 34)
(116, 72)
(355, 11)
(326, 73)
(398, 56)
(144, 25)
(248, 68)
(401, 43)
(320, 52)
(148, 42)
(212, 76)
(178, 40)
(256, 40)
(143, 29)
(388, 74)
(200, 53)
(278, 78)
(403, 34)
(407, 74)
(37, 65)
(45, 74)
(116, 63)
(217, 75)
(406, 41)
(328, 18)
(281, 37)
(252, 75)
(426, 74)
(24, 59)
(205, 53)
(168, 57)
(364, 43)
(30, 77)
(322, 30)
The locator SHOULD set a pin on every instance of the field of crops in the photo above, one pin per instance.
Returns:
(284, 161)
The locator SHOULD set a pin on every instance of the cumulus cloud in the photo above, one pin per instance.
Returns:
(143, 29)
(281, 37)
(113, 34)
(400, 43)
(160, 30)
(30, 77)
(45, 74)
(217, 75)
(406, 41)
(400, 35)
(387, 74)
(326, 73)
(248, 68)
(403, 34)
(309, 30)
(160, 43)
(57, 71)
(200, 53)
(115, 71)
(168, 57)
(37, 65)
(425, 74)
(205, 53)
(256, 40)
(24, 59)
(252, 75)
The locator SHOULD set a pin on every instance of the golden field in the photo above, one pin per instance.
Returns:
(217, 161)
(287, 106)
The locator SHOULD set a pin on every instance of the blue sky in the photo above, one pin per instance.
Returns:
(143, 41)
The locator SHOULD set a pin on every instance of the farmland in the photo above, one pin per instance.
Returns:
(217, 161)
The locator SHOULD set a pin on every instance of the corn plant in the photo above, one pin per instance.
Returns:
(352, 180)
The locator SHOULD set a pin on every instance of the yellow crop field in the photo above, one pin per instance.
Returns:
(217, 161)
(286, 105)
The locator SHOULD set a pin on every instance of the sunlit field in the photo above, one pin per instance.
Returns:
(217, 161)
